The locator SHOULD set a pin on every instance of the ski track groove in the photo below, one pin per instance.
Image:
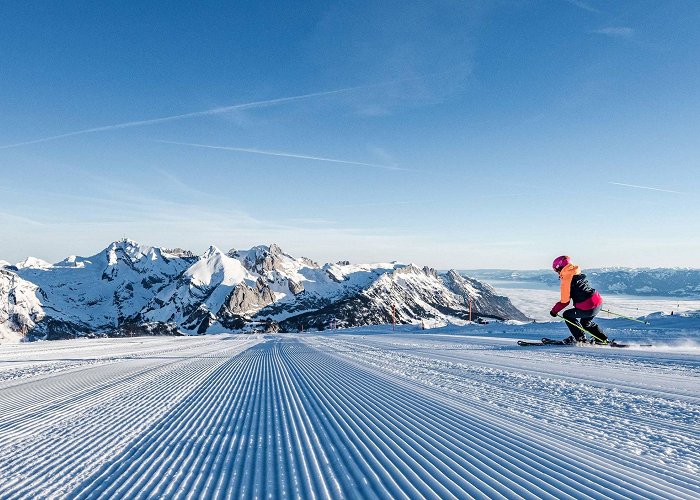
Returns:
(69, 451)
(477, 384)
(478, 476)
(461, 362)
(11, 374)
(540, 370)
(655, 472)
(55, 398)
(393, 450)
(300, 417)
(98, 425)
(172, 433)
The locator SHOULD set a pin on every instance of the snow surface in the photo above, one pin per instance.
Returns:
(453, 412)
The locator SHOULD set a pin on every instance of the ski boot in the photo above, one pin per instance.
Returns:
(581, 340)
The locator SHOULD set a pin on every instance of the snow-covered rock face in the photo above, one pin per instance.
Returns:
(100, 292)
(408, 294)
(127, 285)
(245, 300)
(194, 299)
(484, 299)
(20, 307)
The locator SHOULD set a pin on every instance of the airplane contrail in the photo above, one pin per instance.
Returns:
(207, 112)
(645, 187)
(286, 155)
(583, 5)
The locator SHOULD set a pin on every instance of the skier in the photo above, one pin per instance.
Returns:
(587, 302)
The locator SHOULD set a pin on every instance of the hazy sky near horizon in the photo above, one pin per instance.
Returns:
(487, 133)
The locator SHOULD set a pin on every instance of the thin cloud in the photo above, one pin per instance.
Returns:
(8, 217)
(645, 187)
(207, 112)
(286, 155)
(583, 5)
(616, 31)
(382, 204)
(309, 222)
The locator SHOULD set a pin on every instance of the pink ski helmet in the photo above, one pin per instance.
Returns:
(561, 262)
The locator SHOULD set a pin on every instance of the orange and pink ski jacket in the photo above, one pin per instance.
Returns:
(574, 285)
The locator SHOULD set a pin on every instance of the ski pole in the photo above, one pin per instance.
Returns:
(583, 329)
(626, 317)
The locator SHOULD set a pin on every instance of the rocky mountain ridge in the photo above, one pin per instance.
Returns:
(130, 288)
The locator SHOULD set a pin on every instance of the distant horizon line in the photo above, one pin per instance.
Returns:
(439, 269)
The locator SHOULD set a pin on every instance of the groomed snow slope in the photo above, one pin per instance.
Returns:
(362, 414)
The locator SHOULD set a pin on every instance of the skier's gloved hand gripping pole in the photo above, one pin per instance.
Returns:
(583, 329)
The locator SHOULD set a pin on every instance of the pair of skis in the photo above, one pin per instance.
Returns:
(546, 341)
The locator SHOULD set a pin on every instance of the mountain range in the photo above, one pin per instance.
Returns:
(645, 282)
(132, 289)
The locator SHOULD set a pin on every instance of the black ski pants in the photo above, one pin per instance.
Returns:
(586, 322)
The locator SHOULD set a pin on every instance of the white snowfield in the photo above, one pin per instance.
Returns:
(361, 414)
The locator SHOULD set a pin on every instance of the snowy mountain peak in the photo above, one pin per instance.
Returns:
(409, 269)
(274, 249)
(130, 248)
(264, 259)
(33, 263)
(212, 251)
(214, 267)
(261, 250)
(179, 252)
(73, 261)
(127, 254)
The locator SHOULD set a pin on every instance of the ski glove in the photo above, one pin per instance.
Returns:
(553, 313)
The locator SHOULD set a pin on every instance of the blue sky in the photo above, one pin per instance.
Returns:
(449, 133)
